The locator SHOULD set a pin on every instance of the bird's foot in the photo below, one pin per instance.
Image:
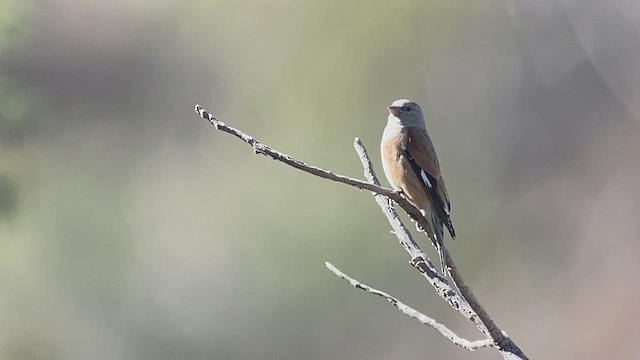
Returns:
(390, 202)
(401, 193)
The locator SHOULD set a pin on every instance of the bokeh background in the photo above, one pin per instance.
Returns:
(131, 229)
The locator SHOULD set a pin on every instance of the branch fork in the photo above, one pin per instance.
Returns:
(457, 294)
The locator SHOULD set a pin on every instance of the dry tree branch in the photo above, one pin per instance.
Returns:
(477, 314)
(418, 258)
(259, 148)
(411, 312)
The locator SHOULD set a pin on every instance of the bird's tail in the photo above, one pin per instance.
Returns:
(438, 231)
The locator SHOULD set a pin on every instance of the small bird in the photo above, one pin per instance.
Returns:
(410, 163)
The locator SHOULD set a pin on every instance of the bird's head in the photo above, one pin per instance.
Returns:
(407, 112)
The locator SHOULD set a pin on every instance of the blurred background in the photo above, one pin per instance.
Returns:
(131, 229)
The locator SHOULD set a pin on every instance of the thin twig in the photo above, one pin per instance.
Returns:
(411, 312)
(503, 342)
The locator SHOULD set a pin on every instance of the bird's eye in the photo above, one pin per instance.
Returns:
(406, 108)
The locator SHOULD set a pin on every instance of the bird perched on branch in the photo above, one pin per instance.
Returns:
(411, 165)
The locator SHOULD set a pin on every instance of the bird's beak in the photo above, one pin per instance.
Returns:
(393, 110)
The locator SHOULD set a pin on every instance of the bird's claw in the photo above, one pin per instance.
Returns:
(390, 201)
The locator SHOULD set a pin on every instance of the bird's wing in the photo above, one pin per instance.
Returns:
(424, 162)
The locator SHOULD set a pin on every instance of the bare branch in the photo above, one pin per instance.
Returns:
(476, 313)
(259, 148)
(506, 346)
(411, 312)
(418, 257)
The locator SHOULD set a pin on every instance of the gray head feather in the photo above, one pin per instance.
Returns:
(406, 113)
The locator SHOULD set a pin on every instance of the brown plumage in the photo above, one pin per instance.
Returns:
(411, 165)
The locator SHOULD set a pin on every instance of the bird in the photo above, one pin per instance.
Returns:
(411, 166)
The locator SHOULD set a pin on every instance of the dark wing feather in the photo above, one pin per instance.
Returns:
(431, 187)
